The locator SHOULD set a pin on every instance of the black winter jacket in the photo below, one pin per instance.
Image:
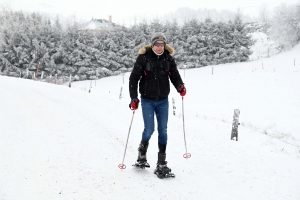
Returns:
(153, 73)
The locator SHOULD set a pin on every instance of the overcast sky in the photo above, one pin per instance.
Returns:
(124, 11)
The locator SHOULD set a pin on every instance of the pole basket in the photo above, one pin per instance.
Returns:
(122, 166)
(187, 155)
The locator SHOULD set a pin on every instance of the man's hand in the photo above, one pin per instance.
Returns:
(181, 89)
(134, 104)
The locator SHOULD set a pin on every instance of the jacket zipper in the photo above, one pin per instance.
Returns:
(157, 75)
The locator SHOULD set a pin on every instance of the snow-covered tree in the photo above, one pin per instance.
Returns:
(31, 39)
(285, 28)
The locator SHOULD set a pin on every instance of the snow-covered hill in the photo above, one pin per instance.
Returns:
(58, 142)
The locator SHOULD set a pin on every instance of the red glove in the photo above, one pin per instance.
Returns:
(134, 104)
(181, 89)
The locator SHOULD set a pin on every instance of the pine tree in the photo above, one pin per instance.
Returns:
(27, 40)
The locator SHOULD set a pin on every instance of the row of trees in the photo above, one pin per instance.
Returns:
(29, 39)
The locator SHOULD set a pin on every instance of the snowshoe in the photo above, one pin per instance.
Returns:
(141, 164)
(163, 171)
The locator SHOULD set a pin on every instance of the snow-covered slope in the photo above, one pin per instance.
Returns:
(65, 143)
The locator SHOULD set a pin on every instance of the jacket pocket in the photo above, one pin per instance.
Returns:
(148, 72)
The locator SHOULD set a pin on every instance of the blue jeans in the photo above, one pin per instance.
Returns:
(161, 110)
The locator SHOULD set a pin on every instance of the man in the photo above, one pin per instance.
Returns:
(152, 70)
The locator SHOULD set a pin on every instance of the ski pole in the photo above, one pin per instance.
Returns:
(123, 166)
(186, 155)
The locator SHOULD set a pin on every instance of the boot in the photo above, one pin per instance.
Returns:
(142, 155)
(162, 170)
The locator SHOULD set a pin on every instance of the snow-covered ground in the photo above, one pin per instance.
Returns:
(64, 143)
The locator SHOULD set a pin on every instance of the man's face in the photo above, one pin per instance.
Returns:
(159, 46)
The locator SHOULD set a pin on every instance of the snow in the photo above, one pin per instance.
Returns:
(58, 142)
(263, 46)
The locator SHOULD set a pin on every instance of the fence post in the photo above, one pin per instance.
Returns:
(120, 96)
(70, 80)
(174, 107)
(90, 87)
(235, 124)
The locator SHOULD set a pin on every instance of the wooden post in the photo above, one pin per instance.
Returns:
(235, 124)
(37, 70)
(42, 75)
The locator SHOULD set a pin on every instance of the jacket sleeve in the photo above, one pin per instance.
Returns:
(135, 76)
(174, 74)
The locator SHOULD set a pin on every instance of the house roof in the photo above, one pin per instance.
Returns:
(98, 24)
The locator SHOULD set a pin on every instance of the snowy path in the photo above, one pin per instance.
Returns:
(62, 143)
(65, 143)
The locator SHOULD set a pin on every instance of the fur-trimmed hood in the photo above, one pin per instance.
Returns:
(168, 48)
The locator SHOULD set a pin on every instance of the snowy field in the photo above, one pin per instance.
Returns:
(65, 143)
